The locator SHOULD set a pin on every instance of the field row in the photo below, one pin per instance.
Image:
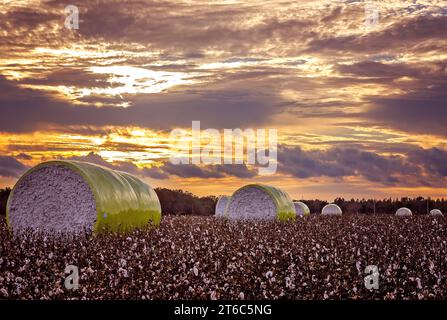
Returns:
(192, 257)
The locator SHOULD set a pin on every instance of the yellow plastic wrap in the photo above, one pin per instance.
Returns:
(123, 202)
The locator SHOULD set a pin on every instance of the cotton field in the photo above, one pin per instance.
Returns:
(190, 257)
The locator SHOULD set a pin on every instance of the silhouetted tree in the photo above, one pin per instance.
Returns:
(184, 202)
(4, 194)
(418, 205)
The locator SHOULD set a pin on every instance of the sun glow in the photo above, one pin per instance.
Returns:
(132, 80)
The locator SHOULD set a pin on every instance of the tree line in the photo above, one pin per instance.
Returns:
(172, 202)
(4, 194)
(418, 205)
(185, 203)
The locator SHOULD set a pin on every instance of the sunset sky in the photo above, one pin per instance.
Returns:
(360, 108)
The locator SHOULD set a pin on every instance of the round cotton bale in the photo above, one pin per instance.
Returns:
(257, 201)
(301, 208)
(436, 212)
(402, 212)
(221, 206)
(73, 197)
(331, 210)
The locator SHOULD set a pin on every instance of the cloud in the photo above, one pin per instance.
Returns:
(209, 171)
(415, 167)
(11, 168)
(302, 164)
(433, 160)
(26, 18)
(166, 169)
(309, 67)
(24, 156)
(299, 37)
(375, 69)
(418, 167)
(203, 27)
(421, 111)
(409, 32)
(27, 110)
(96, 159)
(125, 166)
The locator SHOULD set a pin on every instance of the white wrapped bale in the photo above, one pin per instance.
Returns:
(301, 208)
(52, 198)
(403, 212)
(221, 206)
(331, 210)
(256, 201)
(73, 197)
(436, 212)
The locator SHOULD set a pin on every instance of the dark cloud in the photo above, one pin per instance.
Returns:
(248, 97)
(27, 110)
(333, 15)
(23, 156)
(420, 108)
(377, 69)
(29, 18)
(417, 167)
(25, 27)
(423, 167)
(434, 160)
(155, 173)
(169, 25)
(125, 166)
(422, 111)
(166, 169)
(302, 164)
(191, 170)
(173, 36)
(10, 167)
(96, 159)
(406, 33)
(420, 73)
(77, 77)
(209, 171)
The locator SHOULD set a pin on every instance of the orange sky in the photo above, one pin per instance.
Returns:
(359, 106)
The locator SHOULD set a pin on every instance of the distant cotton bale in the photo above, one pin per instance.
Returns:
(221, 206)
(331, 210)
(256, 201)
(403, 212)
(75, 197)
(301, 208)
(436, 212)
